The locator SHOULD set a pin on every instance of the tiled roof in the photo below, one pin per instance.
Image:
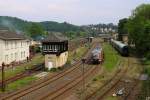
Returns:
(55, 37)
(7, 35)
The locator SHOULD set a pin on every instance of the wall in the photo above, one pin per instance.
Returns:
(57, 61)
(13, 50)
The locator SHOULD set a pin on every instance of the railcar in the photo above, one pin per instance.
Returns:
(120, 47)
(97, 55)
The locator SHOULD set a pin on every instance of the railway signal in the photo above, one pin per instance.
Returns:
(83, 62)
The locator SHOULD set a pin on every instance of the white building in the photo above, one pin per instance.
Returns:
(13, 47)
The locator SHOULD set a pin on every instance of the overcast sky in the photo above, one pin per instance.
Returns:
(79, 12)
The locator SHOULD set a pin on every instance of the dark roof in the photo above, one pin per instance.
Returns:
(7, 35)
(55, 37)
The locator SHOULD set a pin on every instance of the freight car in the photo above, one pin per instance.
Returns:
(97, 55)
(120, 47)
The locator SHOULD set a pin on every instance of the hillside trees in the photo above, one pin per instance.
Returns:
(36, 30)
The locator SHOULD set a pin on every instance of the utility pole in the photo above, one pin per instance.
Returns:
(83, 62)
(3, 77)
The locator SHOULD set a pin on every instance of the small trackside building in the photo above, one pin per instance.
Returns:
(55, 49)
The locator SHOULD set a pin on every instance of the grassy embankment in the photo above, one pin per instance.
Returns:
(18, 69)
(38, 59)
(111, 57)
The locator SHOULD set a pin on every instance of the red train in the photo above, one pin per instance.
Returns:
(97, 55)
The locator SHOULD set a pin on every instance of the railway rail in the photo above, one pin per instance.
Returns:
(34, 70)
(104, 89)
(53, 95)
(132, 88)
(24, 74)
(41, 84)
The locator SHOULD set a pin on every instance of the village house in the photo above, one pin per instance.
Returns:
(13, 47)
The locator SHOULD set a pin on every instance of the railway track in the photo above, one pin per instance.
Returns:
(132, 88)
(23, 74)
(55, 94)
(37, 86)
(104, 89)
(119, 81)
(29, 72)
(41, 84)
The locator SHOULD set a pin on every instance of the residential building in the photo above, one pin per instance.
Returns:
(13, 47)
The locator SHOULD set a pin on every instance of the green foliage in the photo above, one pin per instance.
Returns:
(59, 27)
(36, 30)
(53, 69)
(121, 27)
(111, 57)
(20, 83)
(138, 27)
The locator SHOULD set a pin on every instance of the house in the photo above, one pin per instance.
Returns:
(13, 47)
(125, 38)
(55, 49)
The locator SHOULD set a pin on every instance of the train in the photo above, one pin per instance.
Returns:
(97, 55)
(120, 47)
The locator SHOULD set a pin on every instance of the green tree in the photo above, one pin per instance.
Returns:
(36, 30)
(138, 27)
(121, 28)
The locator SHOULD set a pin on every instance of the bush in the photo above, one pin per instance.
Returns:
(53, 69)
(95, 79)
(60, 68)
(148, 55)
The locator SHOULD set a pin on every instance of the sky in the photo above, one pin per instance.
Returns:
(78, 12)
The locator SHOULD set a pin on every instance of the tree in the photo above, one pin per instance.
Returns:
(138, 27)
(36, 30)
(121, 28)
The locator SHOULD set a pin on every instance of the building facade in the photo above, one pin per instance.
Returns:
(13, 47)
(55, 49)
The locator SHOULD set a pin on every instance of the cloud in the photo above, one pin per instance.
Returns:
(73, 11)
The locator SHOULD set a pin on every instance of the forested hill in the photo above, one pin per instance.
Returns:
(60, 27)
(19, 24)
(35, 29)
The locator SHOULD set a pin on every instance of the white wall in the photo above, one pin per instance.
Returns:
(13, 50)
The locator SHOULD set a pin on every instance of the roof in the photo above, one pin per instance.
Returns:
(120, 44)
(55, 37)
(7, 35)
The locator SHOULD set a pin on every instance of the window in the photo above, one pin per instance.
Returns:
(21, 54)
(24, 54)
(21, 43)
(16, 56)
(6, 58)
(6, 44)
(11, 43)
(11, 56)
(15, 44)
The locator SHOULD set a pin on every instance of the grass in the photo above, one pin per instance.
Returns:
(18, 69)
(111, 98)
(111, 57)
(20, 83)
